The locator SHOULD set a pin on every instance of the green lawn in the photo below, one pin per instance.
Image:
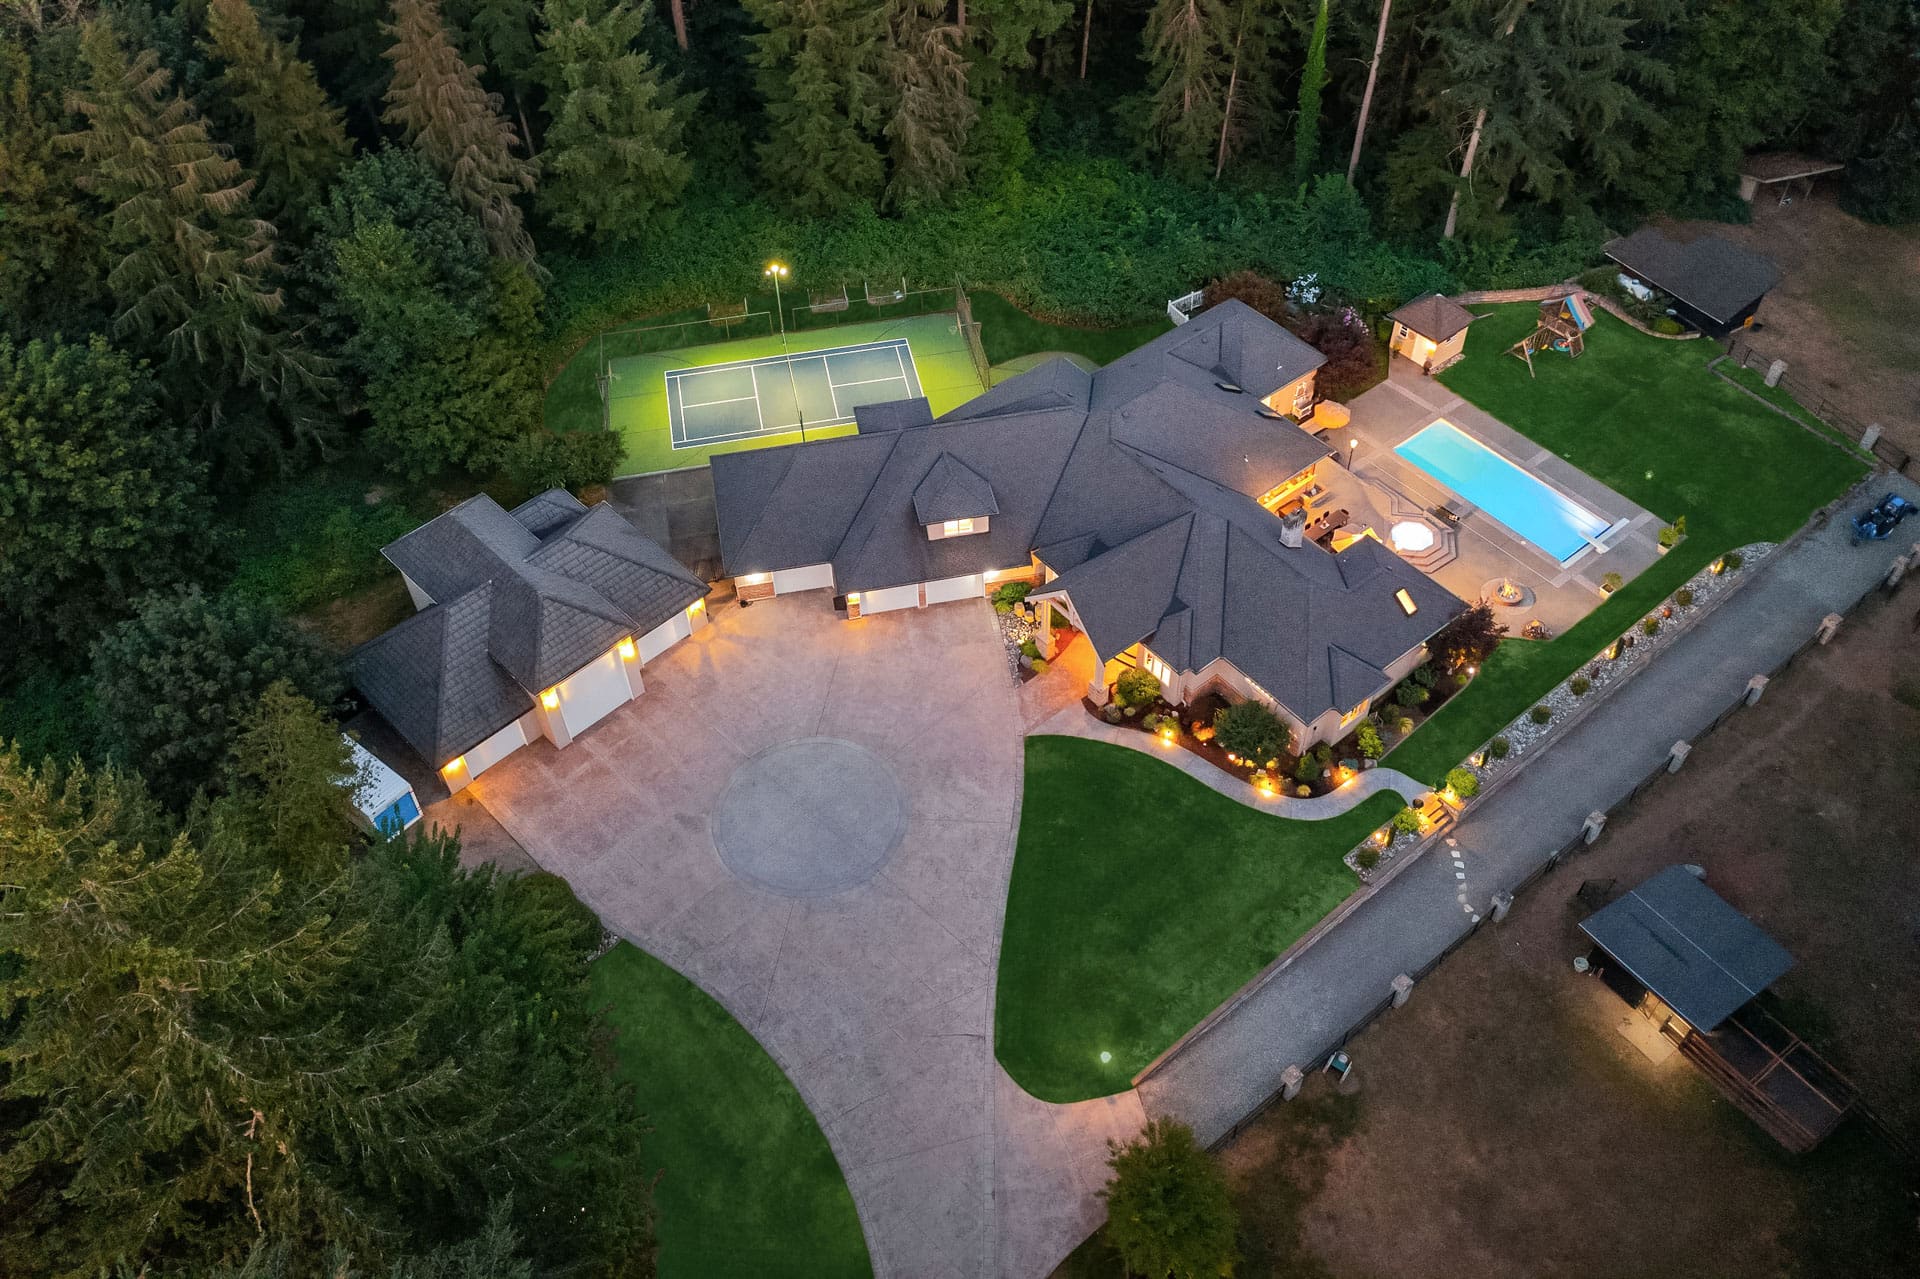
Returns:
(1141, 900)
(1007, 333)
(1645, 417)
(747, 1185)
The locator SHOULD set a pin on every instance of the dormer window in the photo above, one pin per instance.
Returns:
(955, 528)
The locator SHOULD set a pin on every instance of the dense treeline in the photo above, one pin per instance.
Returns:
(249, 245)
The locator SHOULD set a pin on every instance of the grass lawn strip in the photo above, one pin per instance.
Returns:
(1007, 333)
(747, 1183)
(1644, 417)
(1141, 900)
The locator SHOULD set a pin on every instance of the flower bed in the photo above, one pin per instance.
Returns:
(1192, 729)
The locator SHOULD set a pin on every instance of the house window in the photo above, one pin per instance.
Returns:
(1156, 668)
(1405, 601)
(954, 528)
(1353, 714)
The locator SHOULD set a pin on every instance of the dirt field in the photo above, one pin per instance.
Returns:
(1504, 1125)
(1847, 316)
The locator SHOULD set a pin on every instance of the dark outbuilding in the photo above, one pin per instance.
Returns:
(1716, 285)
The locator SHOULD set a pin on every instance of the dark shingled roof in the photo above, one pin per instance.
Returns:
(952, 490)
(1138, 485)
(1713, 276)
(1683, 942)
(1433, 317)
(522, 600)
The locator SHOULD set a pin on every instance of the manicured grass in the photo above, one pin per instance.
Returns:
(1756, 382)
(1140, 901)
(747, 1185)
(1007, 333)
(1645, 417)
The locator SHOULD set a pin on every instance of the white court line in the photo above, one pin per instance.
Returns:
(709, 403)
(759, 413)
(891, 377)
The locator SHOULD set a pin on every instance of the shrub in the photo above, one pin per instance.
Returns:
(1680, 525)
(1469, 638)
(1353, 358)
(1168, 1208)
(1499, 747)
(1029, 649)
(1424, 675)
(1306, 770)
(1683, 597)
(1002, 609)
(1039, 666)
(1203, 732)
(1010, 594)
(1733, 560)
(1323, 754)
(1250, 730)
(1462, 782)
(1136, 688)
(1579, 685)
(542, 460)
(1541, 713)
(1611, 582)
(1367, 739)
(1406, 822)
(1669, 326)
(1650, 625)
(1669, 536)
(1367, 858)
(1403, 725)
(1411, 694)
(549, 896)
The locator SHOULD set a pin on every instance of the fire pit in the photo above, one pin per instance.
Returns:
(1504, 592)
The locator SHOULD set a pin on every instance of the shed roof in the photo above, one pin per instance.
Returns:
(1683, 942)
(1433, 317)
(1714, 276)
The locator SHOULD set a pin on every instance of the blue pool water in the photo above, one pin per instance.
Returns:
(1517, 498)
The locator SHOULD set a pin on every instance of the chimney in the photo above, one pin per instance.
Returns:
(1292, 526)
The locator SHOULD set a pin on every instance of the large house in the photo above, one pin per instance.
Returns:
(1170, 504)
(532, 623)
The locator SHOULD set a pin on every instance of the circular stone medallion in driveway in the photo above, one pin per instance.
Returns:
(809, 817)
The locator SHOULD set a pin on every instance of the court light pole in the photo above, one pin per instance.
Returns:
(777, 271)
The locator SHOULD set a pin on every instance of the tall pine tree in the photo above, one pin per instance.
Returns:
(615, 152)
(932, 112)
(193, 270)
(1313, 82)
(822, 68)
(296, 139)
(438, 104)
(1188, 45)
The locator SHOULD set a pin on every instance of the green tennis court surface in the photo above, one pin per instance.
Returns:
(751, 393)
(781, 393)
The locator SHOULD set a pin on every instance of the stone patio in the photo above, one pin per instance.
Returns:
(1484, 551)
(863, 783)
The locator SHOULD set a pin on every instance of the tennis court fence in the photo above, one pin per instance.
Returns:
(970, 330)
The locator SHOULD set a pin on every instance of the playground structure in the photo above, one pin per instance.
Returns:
(1563, 327)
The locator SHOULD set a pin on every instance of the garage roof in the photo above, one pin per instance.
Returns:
(1683, 942)
(521, 600)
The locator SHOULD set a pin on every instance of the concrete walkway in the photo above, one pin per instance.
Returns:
(1224, 1073)
(1073, 721)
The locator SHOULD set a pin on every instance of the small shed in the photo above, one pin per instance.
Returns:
(1716, 285)
(1688, 949)
(1784, 172)
(1431, 331)
(384, 798)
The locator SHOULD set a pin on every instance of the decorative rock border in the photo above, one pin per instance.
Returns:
(1524, 737)
(1014, 631)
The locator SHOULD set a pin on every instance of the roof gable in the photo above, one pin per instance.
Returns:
(1122, 594)
(952, 490)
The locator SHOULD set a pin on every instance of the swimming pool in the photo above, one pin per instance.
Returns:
(1517, 498)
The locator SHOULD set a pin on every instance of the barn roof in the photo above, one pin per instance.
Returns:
(1713, 276)
(1683, 942)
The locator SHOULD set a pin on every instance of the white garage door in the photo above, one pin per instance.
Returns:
(664, 636)
(590, 692)
(891, 598)
(956, 588)
(496, 748)
(814, 577)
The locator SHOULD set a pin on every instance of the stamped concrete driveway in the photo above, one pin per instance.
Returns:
(814, 819)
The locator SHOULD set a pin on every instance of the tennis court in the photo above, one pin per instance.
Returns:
(676, 408)
(719, 404)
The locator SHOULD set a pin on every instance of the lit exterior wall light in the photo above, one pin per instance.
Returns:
(1718, 566)
(697, 607)
(627, 651)
(457, 764)
(551, 699)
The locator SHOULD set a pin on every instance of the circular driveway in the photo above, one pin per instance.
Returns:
(809, 817)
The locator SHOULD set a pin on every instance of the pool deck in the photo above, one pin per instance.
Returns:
(1409, 401)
